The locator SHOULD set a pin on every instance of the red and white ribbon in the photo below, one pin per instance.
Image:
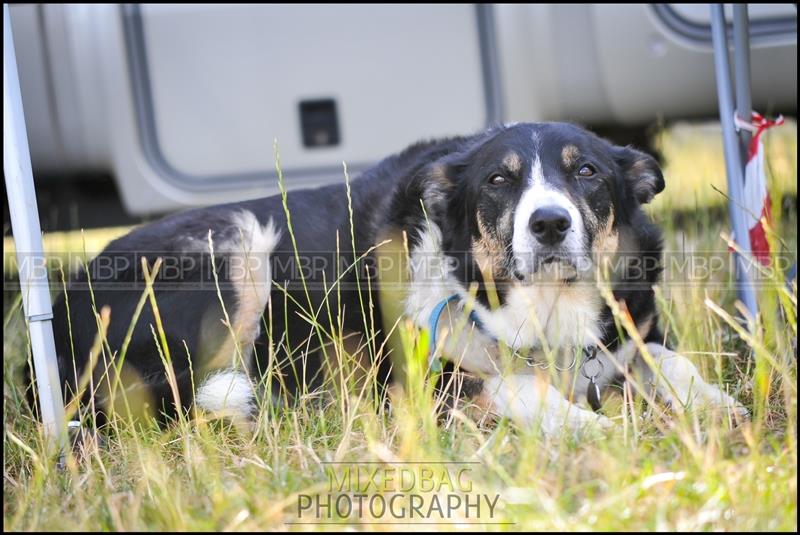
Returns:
(756, 202)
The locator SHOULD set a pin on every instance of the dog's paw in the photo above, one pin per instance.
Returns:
(682, 387)
(582, 423)
(704, 397)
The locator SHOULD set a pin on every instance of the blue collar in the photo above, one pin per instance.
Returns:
(434, 362)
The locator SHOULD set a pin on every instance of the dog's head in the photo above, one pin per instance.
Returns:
(539, 200)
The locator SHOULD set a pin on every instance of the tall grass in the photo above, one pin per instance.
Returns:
(657, 470)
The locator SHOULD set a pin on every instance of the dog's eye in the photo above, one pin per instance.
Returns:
(497, 180)
(587, 170)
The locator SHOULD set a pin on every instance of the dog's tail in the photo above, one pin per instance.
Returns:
(227, 389)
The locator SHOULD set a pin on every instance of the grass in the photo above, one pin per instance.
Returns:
(674, 472)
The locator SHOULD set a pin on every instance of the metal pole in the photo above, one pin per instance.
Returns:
(741, 61)
(733, 160)
(28, 240)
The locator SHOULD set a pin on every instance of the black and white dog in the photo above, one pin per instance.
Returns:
(512, 230)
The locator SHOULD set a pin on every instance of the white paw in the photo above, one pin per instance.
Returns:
(682, 387)
(714, 398)
(583, 423)
(702, 396)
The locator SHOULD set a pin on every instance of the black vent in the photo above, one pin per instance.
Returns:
(319, 123)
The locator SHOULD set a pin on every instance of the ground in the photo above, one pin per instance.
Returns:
(657, 470)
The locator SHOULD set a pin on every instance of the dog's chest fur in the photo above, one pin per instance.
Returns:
(545, 317)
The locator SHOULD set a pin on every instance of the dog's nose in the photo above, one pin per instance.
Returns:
(550, 224)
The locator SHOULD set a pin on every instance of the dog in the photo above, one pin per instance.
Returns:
(513, 233)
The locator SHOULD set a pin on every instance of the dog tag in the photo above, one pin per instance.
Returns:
(593, 395)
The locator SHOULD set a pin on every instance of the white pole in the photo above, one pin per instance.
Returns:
(741, 62)
(28, 241)
(733, 159)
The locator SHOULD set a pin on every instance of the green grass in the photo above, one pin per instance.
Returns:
(673, 472)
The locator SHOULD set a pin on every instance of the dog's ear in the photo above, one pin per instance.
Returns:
(437, 182)
(429, 188)
(643, 176)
